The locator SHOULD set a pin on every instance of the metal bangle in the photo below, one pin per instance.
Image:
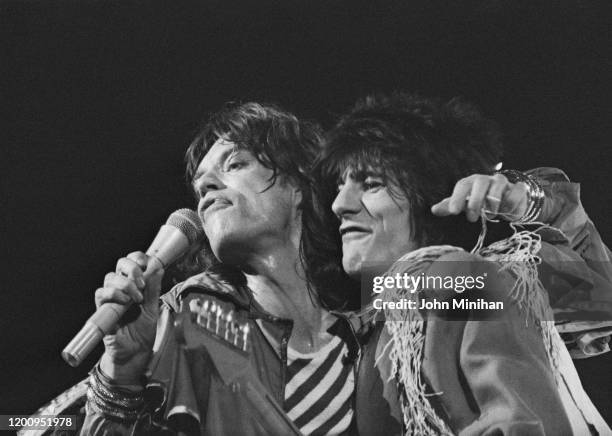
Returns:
(535, 194)
(100, 406)
(112, 397)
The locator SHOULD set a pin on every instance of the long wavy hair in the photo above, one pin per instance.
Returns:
(288, 147)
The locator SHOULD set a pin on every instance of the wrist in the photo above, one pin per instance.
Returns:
(129, 375)
(535, 195)
(108, 398)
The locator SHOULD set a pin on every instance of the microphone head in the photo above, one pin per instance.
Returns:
(188, 222)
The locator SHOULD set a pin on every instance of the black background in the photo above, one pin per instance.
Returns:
(101, 98)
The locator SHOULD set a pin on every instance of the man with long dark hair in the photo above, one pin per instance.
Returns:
(249, 167)
(442, 371)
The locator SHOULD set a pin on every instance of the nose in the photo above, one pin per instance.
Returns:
(348, 200)
(208, 181)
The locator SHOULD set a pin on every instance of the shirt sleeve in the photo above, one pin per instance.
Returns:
(490, 367)
(563, 210)
(97, 423)
(584, 264)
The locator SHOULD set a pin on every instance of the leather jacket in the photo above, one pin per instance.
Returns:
(471, 368)
(188, 391)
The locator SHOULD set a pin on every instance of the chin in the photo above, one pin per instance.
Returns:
(352, 267)
(219, 240)
(231, 247)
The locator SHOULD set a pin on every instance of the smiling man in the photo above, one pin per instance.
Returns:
(379, 232)
(392, 158)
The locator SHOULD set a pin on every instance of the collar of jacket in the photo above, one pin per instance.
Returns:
(212, 284)
(217, 286)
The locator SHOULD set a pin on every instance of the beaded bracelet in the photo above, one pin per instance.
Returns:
(535, 194)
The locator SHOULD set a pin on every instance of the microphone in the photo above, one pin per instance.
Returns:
(182, 229)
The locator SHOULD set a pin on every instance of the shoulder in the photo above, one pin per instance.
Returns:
(209, 283)
(461, 263)
(443, 261)
(472, 275)
(548, 174)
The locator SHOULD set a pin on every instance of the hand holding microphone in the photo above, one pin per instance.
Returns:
(136, 279)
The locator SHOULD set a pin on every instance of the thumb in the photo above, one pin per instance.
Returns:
(515, 203)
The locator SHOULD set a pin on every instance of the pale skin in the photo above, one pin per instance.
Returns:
(249, 223)
(494, 193)
(374, 225)
(246, 227)
(260, 231)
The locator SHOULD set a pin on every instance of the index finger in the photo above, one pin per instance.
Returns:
(442, 208)
(140, 258)
(459, 196)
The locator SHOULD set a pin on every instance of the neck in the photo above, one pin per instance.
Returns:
(278, 282)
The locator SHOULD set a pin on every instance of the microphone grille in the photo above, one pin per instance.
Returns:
(188, 222)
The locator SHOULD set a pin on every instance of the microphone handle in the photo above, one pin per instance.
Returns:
(101, 323)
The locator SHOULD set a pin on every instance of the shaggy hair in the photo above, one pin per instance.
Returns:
(288, 147)
(420, 148)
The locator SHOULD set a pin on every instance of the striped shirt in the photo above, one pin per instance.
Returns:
(319, 389)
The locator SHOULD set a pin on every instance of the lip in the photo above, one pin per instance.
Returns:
(353, 231)
(214, 203)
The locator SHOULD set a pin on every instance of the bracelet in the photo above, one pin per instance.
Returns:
(112, 400)
(535, 194)
(98, 405)
(114, 394)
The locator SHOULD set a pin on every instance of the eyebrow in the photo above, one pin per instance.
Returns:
(359, 174)
(222, 158)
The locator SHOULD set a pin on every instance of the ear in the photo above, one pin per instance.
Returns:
(297, 197)
(295, 193)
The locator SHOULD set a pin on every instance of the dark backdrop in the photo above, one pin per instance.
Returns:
(100, 99)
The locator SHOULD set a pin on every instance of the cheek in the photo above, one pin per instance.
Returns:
(395, 234)
(220, 223)
(275, 210)
(212, 231)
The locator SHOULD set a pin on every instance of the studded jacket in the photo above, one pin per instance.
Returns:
(191, 392)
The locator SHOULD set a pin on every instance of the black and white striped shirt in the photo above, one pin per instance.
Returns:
(319, 390)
